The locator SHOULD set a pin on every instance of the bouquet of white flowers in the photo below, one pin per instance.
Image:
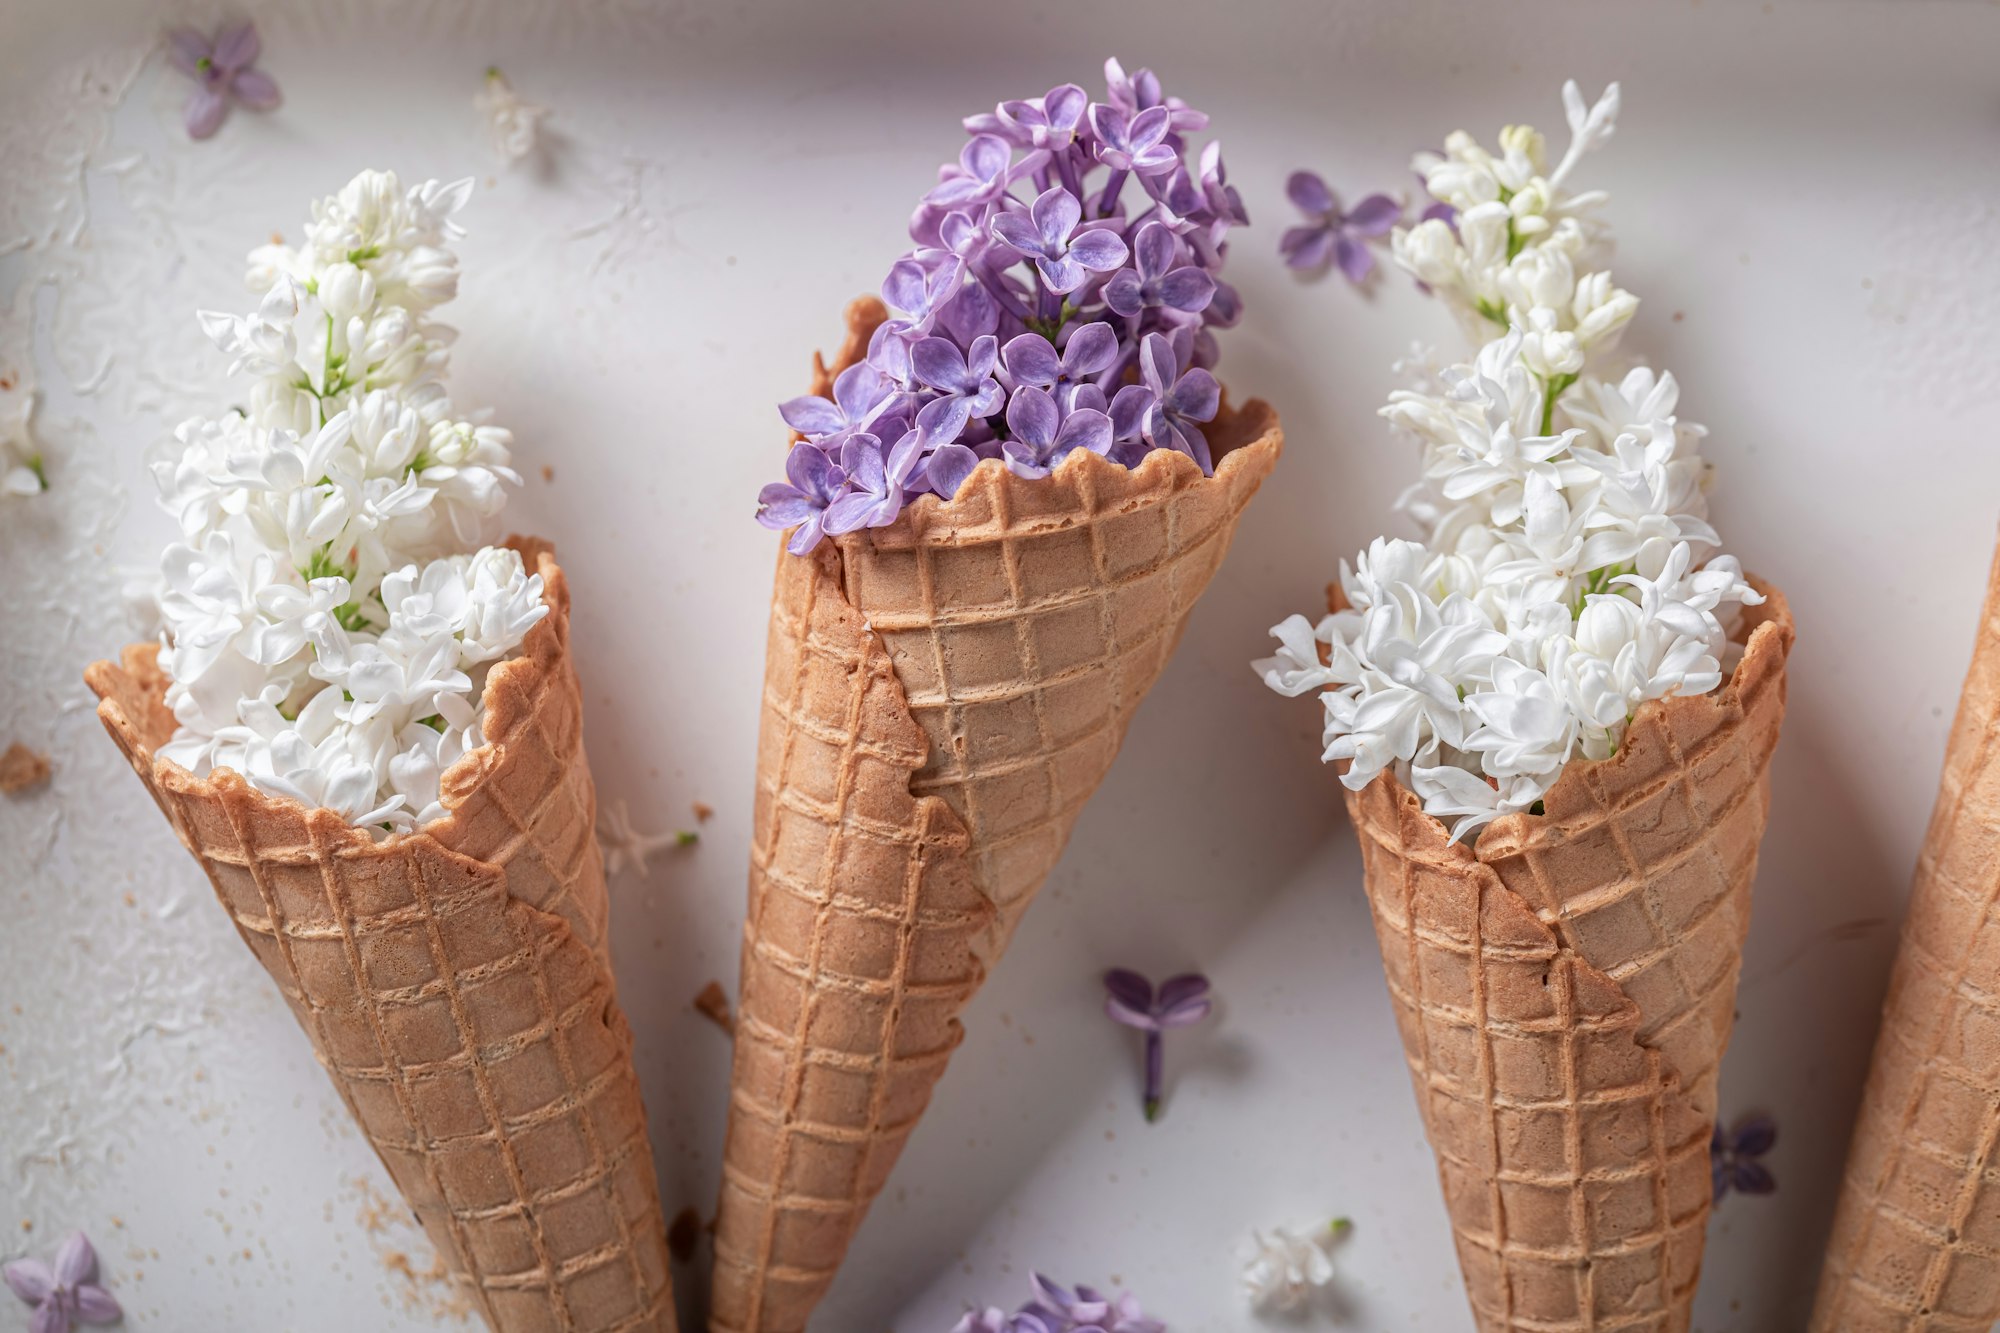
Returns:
(1563, 664)
(365, 724)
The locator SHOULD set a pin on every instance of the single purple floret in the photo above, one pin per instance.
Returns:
(1030, 359)
(1049, 121)
(224, 71)
(65, 1293)
(984, 170)
(963, 382)
(1733, 1156)
(1181, 402)
(1330, 234)
(1182, 1002)
(1047, 233)
(1153, 280)
(813, 482)
(1040, 436)
(1136, 143)
(877, 475)
(859, 392)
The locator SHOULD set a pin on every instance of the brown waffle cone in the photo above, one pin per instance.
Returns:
(941, 697)
(1916, 1236)
(1564, 991)
(456, 986)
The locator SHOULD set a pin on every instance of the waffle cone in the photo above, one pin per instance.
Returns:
(941, 697)
(1916, 1235)
(456, 986)
(1565, 990)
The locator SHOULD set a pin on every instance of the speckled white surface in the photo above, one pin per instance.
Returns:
(1808, 198)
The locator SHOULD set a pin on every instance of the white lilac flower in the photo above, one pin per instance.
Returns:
(1284, 1271)
(21, 470)
(1567, 571)
(331, 610)
(514, 123)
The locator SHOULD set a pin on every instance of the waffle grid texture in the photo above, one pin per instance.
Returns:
(1565, 990)
(1916, 1236)
(456, 986)
(941, 698)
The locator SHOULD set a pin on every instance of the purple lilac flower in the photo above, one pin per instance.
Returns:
(1067, 235)
(224, 71)
(1040, 435)
(878, 474)
(1047, 233)
(815, 482)
(1030, 359)
(1153, 280)
(963, 382)
(1180, 402)
(1329, 233)
(1733, 1154)
(1056, 1309)
(1182, 1002)
(64, 1294)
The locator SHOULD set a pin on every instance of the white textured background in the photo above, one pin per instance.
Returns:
(1808, 200)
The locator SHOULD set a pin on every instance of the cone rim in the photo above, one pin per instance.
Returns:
(545, 642)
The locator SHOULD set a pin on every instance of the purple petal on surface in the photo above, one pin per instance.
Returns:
(1185, 1014)
(1752, 1178)
(1031, 360)
(186, 49)
(1188, 288)
(29, 1279)
(1125, 294)
(1353, 257)
(1309, 193)
(1129, 988)
(1032, 417)
(49, 1317)
(948, 467)
(204, 112)
(1754, 1135)
(1120, 1012)
(1179, 990)
(75, 1260)
(256, 90)
(237, 47)
(1375, 215)
(1306, 247)
(1091, 348)
(95, 1305)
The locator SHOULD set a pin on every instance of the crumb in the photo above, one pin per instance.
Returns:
(131, 901)
(713, 1004)
(1679, 315)
(6, 382)
(683, 1235)
(22, 769)
(27, 1224)
(703, 813)
(548, 473)
(277, 238)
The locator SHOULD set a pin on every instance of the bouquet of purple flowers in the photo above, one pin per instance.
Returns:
(1037, 314)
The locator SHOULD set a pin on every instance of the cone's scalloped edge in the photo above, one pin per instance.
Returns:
(132, 705)
(1767, 647)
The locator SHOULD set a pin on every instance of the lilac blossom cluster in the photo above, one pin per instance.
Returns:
(1039, 313)
(1056, 1309)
